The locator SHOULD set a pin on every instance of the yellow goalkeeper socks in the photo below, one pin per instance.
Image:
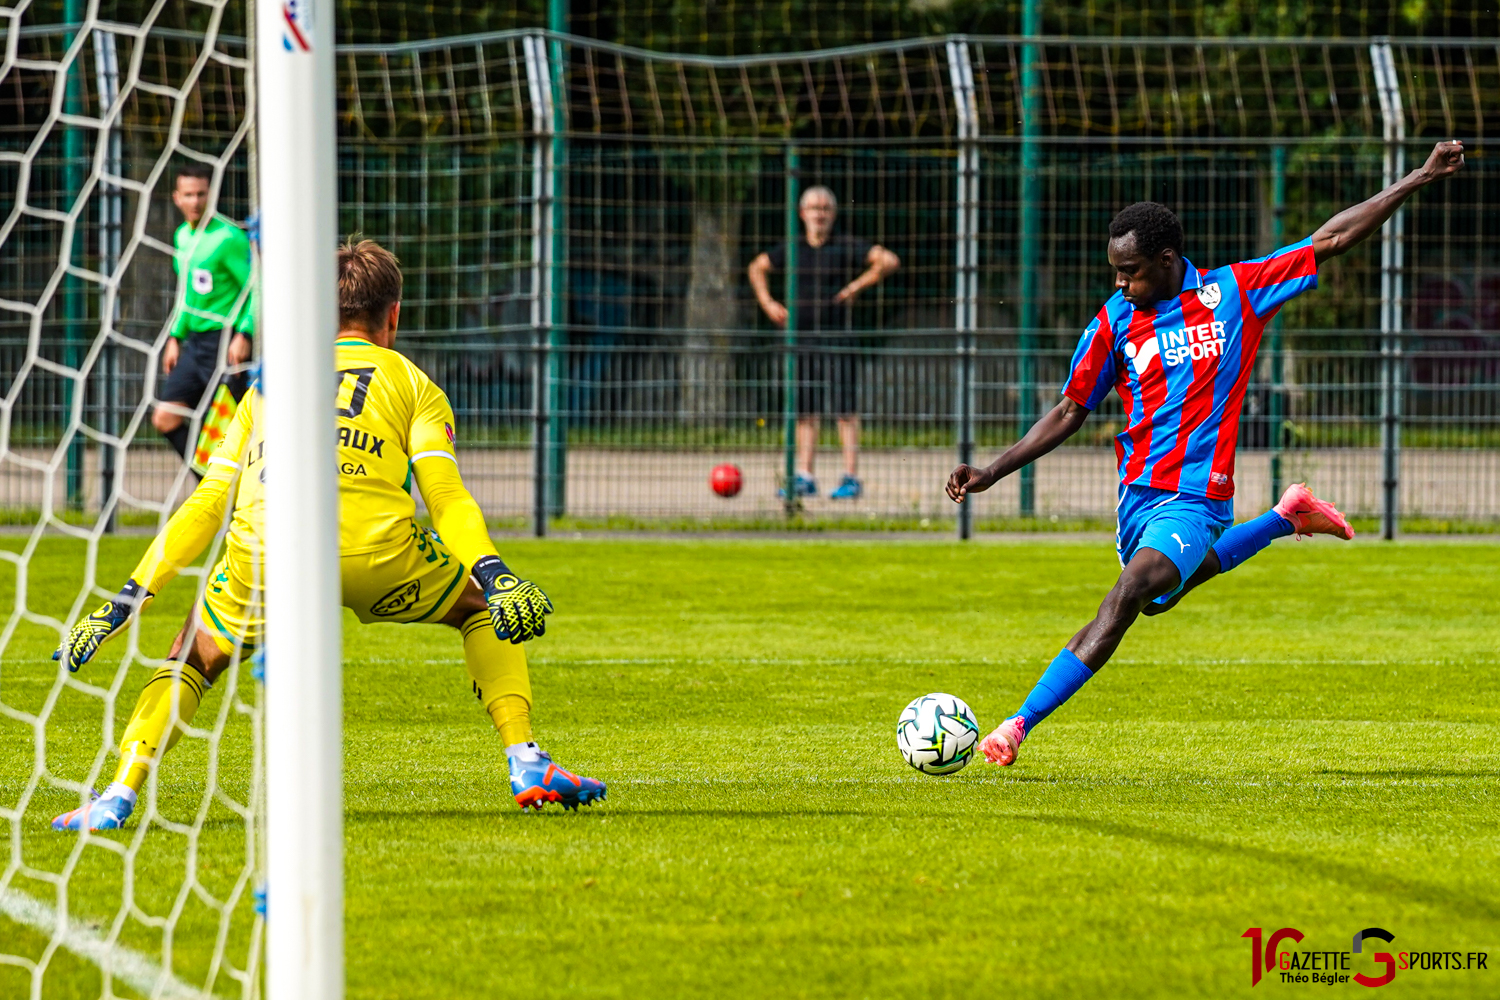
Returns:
(152, 717)
(501, 681)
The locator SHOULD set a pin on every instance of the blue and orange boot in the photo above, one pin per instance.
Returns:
(106, 812)
(537, 780)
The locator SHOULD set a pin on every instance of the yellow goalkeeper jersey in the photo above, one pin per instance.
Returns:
(390, 414)
(394, 426)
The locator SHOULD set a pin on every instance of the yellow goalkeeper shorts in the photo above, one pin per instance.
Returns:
(233, 608)
(416, 581)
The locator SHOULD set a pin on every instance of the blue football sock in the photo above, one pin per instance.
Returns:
(1244, 540)
(1059, 682)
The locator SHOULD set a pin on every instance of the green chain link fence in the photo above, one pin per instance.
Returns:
(575, 220)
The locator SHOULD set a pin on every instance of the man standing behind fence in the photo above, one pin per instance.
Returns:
(827, 369)
(213, 267)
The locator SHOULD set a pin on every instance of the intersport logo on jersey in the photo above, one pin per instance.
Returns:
(1268, 958)
(1192, 343)
(1188, 343)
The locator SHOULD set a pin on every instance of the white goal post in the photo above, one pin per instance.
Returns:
(299, 315)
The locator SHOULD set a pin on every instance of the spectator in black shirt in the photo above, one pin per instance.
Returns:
(827, 365)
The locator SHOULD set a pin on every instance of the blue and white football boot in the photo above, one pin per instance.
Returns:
(536, 780)
(803, 486)
(106, 812)
(848, 488)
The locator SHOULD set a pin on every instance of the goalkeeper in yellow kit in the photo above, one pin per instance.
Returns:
(394, 425)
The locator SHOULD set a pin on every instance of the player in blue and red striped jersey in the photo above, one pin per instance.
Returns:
(1178, 345)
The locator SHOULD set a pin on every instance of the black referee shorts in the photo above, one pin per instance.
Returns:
(195, 373)
(827, 377)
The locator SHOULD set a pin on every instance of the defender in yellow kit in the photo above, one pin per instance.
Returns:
(395, 427)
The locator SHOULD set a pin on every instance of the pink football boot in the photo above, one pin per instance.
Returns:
(1310, 516)
(1000, 746)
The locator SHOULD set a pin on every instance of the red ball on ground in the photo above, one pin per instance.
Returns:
(726, 480)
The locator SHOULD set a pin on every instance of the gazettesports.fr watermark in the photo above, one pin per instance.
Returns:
(1268, 959)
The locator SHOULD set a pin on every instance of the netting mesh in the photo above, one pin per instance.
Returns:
(96, 121)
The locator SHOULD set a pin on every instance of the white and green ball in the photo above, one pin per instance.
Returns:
(937, 734)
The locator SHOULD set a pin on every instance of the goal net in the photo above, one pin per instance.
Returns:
(98, 119)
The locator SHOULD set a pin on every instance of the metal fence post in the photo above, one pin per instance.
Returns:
(538, 80)
(793, 502)
(961, 72)
(1392, 254)
(1277, 402)
(1029, 242)
(557, 321)
(73, 307)
(107, 79)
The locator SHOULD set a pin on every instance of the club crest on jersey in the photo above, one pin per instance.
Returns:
(203, 281)
(1210, 295)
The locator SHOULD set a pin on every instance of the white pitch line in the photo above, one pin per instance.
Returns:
(129, 966)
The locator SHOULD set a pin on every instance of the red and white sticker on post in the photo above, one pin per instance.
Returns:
(297, 32)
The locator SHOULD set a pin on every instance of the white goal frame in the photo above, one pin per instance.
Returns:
(296, 150)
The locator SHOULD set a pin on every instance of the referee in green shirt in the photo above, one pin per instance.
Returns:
(213, 266)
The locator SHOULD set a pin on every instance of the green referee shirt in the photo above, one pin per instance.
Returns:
(213, 262)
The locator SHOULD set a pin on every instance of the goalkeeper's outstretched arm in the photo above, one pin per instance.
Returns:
(178, 544)
(518, 607)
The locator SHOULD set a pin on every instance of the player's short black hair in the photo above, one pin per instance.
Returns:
(197, 171)
(1156, 227)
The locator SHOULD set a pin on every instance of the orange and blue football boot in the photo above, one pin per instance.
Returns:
(534, 783)
(107, 813)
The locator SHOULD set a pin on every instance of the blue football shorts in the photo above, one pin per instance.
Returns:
(1179, 526)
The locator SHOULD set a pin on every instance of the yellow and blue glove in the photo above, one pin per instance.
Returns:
(91, 632)
(518, 608)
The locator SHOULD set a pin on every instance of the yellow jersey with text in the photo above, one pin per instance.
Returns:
(389, 415)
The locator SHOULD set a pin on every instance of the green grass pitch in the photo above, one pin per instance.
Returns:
(1311, 742)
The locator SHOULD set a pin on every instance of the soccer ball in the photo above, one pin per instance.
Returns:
(937, 734)
(726, 480)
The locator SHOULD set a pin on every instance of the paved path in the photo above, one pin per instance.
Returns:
(899, 483)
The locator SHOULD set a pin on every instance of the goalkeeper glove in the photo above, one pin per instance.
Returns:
(518, 608)
(85, 637)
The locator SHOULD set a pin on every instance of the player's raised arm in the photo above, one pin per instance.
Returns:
(1353, 225)
(183, 540)
(1059, 424)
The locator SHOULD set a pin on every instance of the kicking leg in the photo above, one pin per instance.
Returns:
(502, 684)
(1298, 511)
(165, 707)
(1149, 575)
